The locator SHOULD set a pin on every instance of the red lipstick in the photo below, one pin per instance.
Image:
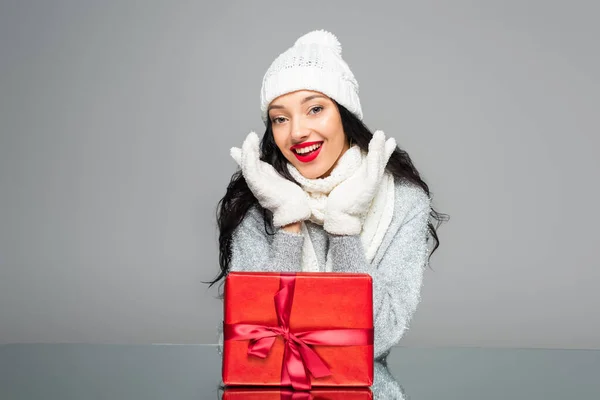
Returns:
(308, 157)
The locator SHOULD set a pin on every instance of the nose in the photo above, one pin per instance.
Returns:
(300, 131)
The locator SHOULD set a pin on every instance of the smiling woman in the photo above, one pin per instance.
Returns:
(307, 128)
(322, 193)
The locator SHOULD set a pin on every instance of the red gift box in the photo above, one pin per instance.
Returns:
(298, 329)
(315, 394)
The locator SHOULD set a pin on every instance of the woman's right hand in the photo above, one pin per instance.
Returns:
(285, 199)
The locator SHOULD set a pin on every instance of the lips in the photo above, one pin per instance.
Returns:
(308, 157)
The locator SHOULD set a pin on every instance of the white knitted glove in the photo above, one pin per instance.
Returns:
(285, 199)
(349, 202)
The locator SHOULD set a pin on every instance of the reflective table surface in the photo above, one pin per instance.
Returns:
(87, 371)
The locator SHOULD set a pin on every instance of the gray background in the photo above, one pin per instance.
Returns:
(116, 120)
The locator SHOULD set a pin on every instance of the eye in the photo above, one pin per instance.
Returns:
(317, 109)
(278, 120)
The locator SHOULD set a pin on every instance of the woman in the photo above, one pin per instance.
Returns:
(322, 193)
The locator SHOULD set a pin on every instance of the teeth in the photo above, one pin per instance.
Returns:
(307, 149)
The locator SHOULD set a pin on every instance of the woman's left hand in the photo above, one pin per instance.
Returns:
(350, 200)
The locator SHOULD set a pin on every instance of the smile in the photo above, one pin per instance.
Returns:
(307, 152)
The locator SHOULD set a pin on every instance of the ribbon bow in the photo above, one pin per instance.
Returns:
(298, 357)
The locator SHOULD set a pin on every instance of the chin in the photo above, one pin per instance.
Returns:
(313, 176)
(314, 173)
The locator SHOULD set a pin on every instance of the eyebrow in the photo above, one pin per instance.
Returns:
(308, 98)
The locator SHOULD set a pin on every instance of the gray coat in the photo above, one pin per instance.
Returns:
(397, 268)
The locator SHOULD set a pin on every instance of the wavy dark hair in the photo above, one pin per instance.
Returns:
(238, 198)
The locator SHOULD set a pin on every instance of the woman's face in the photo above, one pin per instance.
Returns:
(307, 128)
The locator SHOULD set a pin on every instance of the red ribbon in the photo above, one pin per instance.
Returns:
(298, 357)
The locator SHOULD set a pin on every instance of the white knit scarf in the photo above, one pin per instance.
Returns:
(375, 222)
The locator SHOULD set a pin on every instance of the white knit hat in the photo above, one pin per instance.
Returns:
(313, 63)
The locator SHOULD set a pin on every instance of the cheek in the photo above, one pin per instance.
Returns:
(279, 140)
(282, 145)
(326, 123)
(331, 127)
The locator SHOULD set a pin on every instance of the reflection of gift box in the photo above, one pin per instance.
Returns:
(298, 329)
(283, 394)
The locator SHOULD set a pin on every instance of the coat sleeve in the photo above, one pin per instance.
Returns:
(397, 278)
(252, 249)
